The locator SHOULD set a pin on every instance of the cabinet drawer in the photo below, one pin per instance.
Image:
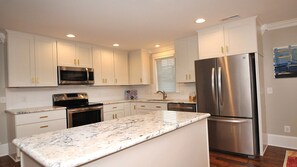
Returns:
(142, 106)
(41, 127)
(158, 106)
(39, 117)
(113, 107)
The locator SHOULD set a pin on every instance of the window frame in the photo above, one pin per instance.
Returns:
(161, 55)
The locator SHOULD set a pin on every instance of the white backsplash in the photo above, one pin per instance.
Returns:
(38, 97)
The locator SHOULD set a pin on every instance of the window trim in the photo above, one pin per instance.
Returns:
(161, 55)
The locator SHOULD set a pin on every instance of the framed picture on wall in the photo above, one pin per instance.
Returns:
(285, 61)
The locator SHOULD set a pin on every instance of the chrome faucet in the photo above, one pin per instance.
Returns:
(163, 93)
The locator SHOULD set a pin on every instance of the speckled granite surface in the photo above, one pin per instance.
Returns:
(33, 110)
(146, 101)
(79, 145)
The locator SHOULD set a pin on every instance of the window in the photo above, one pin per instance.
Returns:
(165, 74)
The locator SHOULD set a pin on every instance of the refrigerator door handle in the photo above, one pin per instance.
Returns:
(229, 120)
(213, 84)
(220, 85)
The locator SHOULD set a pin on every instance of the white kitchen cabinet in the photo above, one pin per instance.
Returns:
(110, 66)
(107, 66)
(113, 111)
(32, 60)
(186, 52)
(83, 54)
(139, 67)
(121, 74)
(228, 39)
(45, 61)
(97, 66)
(22, 125)
(74, 54)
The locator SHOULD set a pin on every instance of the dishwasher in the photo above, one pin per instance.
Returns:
(187, 107)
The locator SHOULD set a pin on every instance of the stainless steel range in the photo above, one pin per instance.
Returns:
(79, 110)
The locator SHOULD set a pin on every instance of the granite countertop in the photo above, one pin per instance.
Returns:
(148, 101)
(79, 145)
(33, 110)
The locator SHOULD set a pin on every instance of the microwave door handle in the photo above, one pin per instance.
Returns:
(88, 75)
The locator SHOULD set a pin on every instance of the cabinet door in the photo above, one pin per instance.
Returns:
(139, 67)
(135, 68)
(107, 66)
(181, 52)
(108, 115)
(211, 42)
(121, 67)
(192, 56)
(66, 53)
(20, 60)
(97, 66)
(240, 37)
(83, 54)
(186, 52)
(45, 61)
(40, 127)
(119, 114)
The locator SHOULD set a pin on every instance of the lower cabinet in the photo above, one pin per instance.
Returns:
(22, 125)
(114, 111)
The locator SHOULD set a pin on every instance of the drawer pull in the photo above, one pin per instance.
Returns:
(43, 117)
(142, 106)
(158, 107)
(45, 126)
(114, 107)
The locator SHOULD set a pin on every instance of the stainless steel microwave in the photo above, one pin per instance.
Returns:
(75, 76)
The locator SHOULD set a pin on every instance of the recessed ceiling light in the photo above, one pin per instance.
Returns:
(200, 20)
(116, 44)
(157, 46)
(70, 35)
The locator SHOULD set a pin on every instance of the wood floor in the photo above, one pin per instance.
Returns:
(274, 157)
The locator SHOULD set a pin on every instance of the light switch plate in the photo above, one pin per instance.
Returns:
(269, 90)
(2, 99)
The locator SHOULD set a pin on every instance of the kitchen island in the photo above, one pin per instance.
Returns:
(155, 138)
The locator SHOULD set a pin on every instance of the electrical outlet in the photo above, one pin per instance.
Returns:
(287, 129)
(269, 90)
(2, 99)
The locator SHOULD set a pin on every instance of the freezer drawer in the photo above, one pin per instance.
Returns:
(232, 134)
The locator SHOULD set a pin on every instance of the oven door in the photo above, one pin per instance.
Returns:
(84, 115)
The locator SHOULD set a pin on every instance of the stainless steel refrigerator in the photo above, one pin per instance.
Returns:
(226, 88)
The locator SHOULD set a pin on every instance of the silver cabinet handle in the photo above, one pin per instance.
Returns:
(220, 85)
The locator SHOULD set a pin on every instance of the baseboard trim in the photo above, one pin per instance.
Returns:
(282, 141)
(3, 150)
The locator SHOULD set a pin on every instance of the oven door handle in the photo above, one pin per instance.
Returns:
(84, 109)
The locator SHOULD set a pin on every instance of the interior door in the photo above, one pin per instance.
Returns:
(206, 86)
(234, 86)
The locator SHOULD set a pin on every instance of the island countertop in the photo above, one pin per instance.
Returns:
(79, 145)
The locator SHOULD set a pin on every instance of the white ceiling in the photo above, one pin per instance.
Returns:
(132, 23)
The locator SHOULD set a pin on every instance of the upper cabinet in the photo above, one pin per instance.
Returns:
(228, 39)
(110, 66)
(186, 52)
(32, 60)
(74, 54)
(139, 67)
(121, 74)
